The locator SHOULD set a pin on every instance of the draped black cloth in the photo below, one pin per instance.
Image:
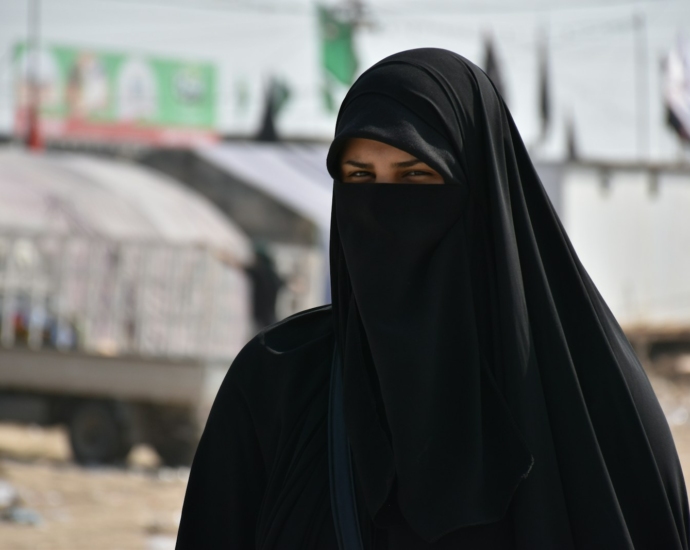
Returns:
(491, 398)
(481, 364)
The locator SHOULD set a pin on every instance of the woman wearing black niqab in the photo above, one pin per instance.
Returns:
(489, 397)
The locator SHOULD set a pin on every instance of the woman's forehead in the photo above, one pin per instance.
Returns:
(371, 148)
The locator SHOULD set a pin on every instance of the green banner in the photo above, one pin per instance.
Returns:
(97, 89)
(337, 51)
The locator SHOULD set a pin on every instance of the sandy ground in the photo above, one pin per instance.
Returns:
(138, 507)
(133, 508)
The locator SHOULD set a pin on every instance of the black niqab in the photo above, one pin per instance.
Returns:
(483, 372)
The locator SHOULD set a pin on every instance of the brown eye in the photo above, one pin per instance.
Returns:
(360, 174)
(418, 174)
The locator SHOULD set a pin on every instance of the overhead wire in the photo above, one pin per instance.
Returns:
(414, 8)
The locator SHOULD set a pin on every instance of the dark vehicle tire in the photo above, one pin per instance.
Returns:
(96, 434)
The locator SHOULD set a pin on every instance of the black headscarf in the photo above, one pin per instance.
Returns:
(483, 372)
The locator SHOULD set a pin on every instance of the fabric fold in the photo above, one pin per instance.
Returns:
(484, 376)
(421, 407)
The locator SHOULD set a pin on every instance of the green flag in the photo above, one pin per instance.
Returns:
(337, 53)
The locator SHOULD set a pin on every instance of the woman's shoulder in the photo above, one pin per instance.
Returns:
(284, 369)
(302, 341)
(301, 329)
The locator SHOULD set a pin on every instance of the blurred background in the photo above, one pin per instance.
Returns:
(163, 196)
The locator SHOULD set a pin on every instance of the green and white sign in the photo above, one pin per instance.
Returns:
(91, 94)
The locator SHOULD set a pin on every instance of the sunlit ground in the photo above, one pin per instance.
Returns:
(138, 507)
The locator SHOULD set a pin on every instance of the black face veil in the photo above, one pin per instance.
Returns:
(482, 370)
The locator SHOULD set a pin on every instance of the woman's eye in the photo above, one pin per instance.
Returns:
(417, 173)
(360, 174)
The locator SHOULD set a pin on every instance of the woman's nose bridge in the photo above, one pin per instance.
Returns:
(385, 174)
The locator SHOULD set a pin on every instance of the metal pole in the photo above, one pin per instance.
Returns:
(642, 86)
(33, 137)
(37, 298)
(8, 283)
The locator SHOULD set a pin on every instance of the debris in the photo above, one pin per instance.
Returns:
(9, 496)
(678, 417)
(160, 542)
(23, 516)
(11, 509)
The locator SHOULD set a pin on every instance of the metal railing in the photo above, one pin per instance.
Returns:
(120, 298)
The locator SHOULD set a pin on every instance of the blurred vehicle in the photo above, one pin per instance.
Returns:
(123, 299)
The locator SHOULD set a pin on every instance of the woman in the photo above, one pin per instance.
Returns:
(490, 399)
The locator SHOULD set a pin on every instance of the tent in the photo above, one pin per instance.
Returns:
(110, 257)
(87, 196)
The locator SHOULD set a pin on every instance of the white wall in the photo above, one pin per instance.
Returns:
(634, 242)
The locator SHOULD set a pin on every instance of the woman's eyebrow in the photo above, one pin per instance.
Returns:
(407, 163)
(358, 164)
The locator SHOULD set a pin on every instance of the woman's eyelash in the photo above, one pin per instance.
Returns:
(359, 174)
(366, 174)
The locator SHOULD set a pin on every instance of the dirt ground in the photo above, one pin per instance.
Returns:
(138, 507)
(133, 508)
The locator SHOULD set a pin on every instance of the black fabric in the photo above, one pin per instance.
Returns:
(260, 474)
(483, 372)
(498, 340)
(453, 446)
(341, 478)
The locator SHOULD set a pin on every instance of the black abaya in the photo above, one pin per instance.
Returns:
(260, 474)
(491, 399)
